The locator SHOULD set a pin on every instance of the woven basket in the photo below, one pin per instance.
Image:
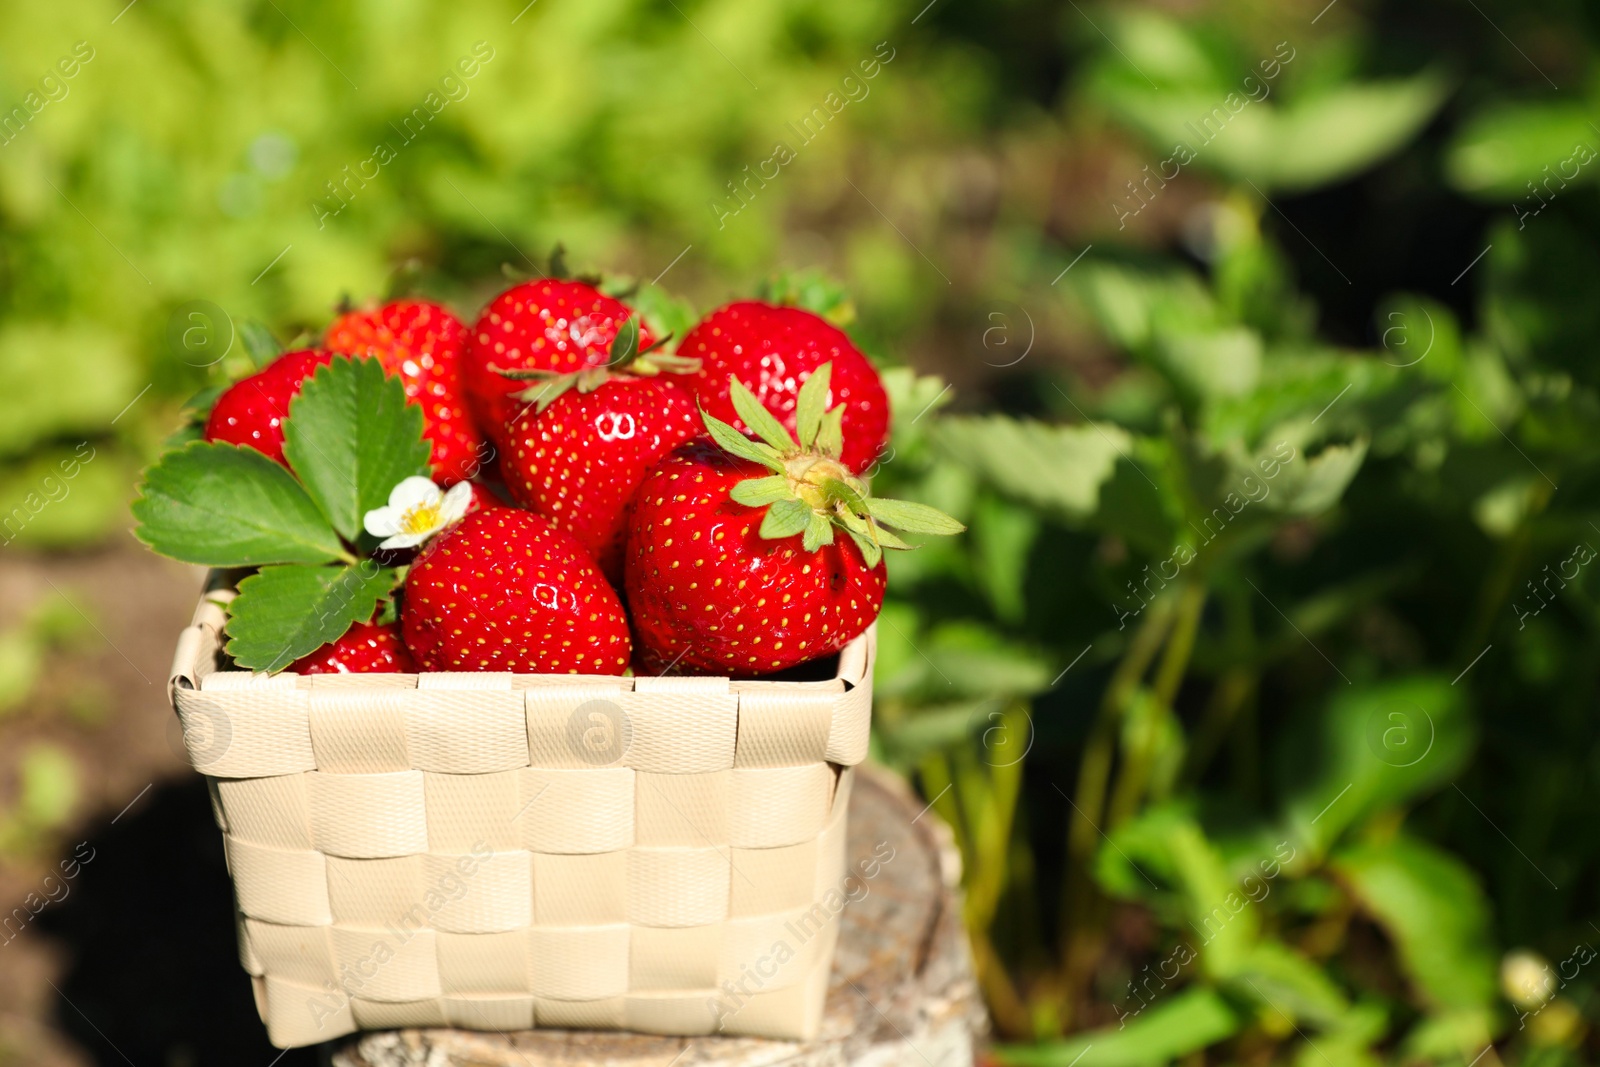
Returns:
(500, 852)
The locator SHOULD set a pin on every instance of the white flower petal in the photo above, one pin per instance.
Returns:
(405, 540)
(414, 491)
(381, 522)
(454, 504)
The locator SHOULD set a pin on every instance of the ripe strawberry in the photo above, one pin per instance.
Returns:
(422, 345)
(549, 325)
(365, 648)
(577, 453)
(252, 410)
(775, 350)
(716, 585)
(482, 498)
(505, 591)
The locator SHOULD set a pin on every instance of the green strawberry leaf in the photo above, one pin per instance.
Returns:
(285, 612)
(731, 440)
(259, 342)
(819, 532)
(839, 489)
(813, 290)
(912, 517)
(755, 415)
(785, 519)
(188, 432)
(886, 538)
(869, 548)
(230, 506)
(665, 314)
(830, 435)
(388, 610)
(203, 401)
(351, 437)
(626, 344)
(756, 492)
(558, 262)
(812, 404)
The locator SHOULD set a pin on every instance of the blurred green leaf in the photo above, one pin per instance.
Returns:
(63, 498)
(1504, 149)
(49, 785)
(1002, 535)
(1061, 469)
(1276, 977)
(1167, 1030)
(1433, 909)
(1369, 747)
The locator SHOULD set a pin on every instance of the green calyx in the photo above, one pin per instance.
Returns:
(810, 492)
(626, 358)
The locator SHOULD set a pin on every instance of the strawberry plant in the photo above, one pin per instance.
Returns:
(349, 439)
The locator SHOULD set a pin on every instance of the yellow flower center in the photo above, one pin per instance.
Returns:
(420, 519)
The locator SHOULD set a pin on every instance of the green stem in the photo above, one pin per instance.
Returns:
(1080, 918)
(1236, 686)
(1134, 777)
(1497, 584)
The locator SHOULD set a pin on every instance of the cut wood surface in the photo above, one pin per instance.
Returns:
(901, 993)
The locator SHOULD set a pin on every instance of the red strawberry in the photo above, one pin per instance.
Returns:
(505, 591)
(775, 350)
(708, 593)
(733, 565)
(482, 498)
(365, 648)
(422, 345)
(577, 453)
(252, 410)
(550, 325)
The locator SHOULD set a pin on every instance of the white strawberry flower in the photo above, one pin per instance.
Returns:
(417, 510)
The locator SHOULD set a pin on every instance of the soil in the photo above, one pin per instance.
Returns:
(134, 961)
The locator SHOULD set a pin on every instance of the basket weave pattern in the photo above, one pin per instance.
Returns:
(498, 851)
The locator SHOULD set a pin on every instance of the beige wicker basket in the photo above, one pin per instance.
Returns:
(499, 852)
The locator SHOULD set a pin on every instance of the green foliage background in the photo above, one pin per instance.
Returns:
(1251, 758)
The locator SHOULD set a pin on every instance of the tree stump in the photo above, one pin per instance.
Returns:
(902, 989)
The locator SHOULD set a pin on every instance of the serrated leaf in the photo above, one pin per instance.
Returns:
(1061, 468)
(756, 492)
(830, 435)
(230, 506)
(912, 517)
(812, 404)
(259, 343)
(731, 440)
(761, 422)
(785, 519)
(352, 437)
(285, 612)
(819, 532)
